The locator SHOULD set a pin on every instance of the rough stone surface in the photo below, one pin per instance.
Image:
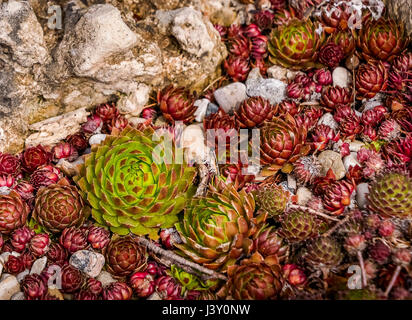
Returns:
(18, 296)
(89, 262)
(101, 54)
(8, 287)
(230, 97)
(272, 89)
(401, 10)
(53, 130)
(332, 160)
(201, 110)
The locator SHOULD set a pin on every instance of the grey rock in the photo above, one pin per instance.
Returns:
(231, 96)
(38, 265)
(18, 296)
(8, 287)
(362, 189)
(272, 89)
(89, 262)
(132, 105)
(22, 33)
(332, 160)
(211, 109)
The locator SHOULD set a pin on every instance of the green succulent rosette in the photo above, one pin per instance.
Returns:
(130, 188)
(218, 228)
(190, 281)
(296, 45)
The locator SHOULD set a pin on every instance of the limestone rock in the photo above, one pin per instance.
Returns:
(18, 296)
(341, 77)
(89, 262)
(332, 160)
(53, 130)
(97, 138)
(304, 195)
(21, 32)
(8, 287)
(133, 104)
(231, 96)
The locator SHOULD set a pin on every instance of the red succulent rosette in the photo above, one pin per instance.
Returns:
(34, 157)
(9, 164)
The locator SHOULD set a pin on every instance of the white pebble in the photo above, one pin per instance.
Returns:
(38, 265)
(200, 112)
(341, 77)
(362, 189)
(304, 195)
(97, 138)
(8, 287)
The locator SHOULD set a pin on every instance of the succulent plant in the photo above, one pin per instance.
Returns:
(71, 279)
(390, 195)
(382, 39)
(143, 284)
(346, 40)
(20, 238)
(190, 281)
(288, 106)
(253, 281)
(322, 136)
(94, 286)
(323, 252)
(263, 19)
(34, 157)
(78, 141)
(13, 212)
(57, 253)
(307, 169)
(64, 150)
(298, 225)
(223, 122)
(335, 98)
(9, 164)
(254, 111)
(124, 256)
(370, 80)
(331, 54)
(98, 237)
(117, 291)
(217, 229)
(240, 46)
(33, 287)
(176, 104)
(129, 190)
(59, 206)
(272, 199)
(73, 239)
(334, 16)
(14, 265)
(168, 288)
(269, 244)
(39, 244)
(282, 141)
(295, 45)
(379, 252)
(44, 176)
(237, 68)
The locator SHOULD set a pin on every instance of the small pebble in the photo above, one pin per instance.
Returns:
(89, 262)
(211, 109)
(18, 296)
(355, 145)
(97, 138)
(8, 287)
(22, 274)
(201, 110)
(230, 97)
(271, 89)
(350, 160)
(38, 265)
(304, 195)
(362, 189)
(105, 278)
(341, 77)
(332, 160)
(328, 120)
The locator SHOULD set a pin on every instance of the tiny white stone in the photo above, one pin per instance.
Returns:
(350, 160)
(377, 100)
(328, 120)
(278, 72)
(193, 140)
(291, 182)
(271, 89)
(133, 104)
(200, 112)
(105, 278)
(304, 195)
(4, 191)
(341, 77)
(97, 138)
(38, 265)
(362, 189)
(8, 287)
